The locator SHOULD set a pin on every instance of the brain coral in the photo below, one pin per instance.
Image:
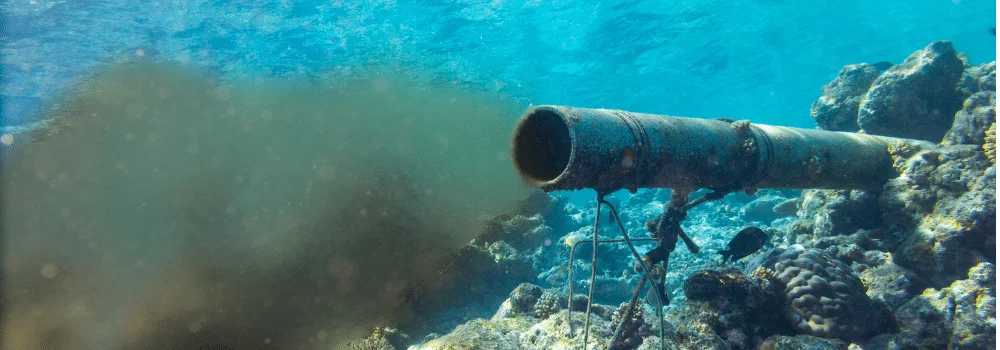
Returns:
(822, 296)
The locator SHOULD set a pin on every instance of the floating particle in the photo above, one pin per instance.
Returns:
(195, 327)
(7, 139)
(49, 271)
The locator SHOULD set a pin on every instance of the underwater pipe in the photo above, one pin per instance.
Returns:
(566, 148)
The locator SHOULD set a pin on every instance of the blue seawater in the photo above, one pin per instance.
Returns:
(759, 60)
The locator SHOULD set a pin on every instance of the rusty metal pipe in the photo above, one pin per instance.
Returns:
(565, 148)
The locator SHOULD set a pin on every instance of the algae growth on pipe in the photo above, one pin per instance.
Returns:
(566, 148)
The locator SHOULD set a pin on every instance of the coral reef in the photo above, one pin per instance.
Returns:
(522, 333)
(743, 307)
(825, 213)
(978, 113)
(941, 211)
(519, 231)
(837, 109)
(887, 282)
(917, 98)
(524, 298)
(548, 304)
(381, 339)
(978, 78)
(960, 316)
(474, 278)
(779, 342)
(823, 297)
(990, 143)
(631, 325)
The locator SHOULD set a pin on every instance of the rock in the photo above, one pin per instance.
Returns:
(850, 249)
(761, 210)
(837, 109)
(740, 308)
(977, 79)
(960, 316)
(780, 342)
(523, 332)
(990, 143)
(788, 207)
(940, 214)
(707, 285)
(889, 283)
(917, 98)
(978, 113)
(695, 329)
(480, 333)
(825, 213)
(473, 277)
(519, 231)
(524, 298)
(822, 296)
(653, 343)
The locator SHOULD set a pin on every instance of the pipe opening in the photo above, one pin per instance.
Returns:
(542, 146)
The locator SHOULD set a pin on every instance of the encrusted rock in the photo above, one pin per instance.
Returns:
(381, 339)
(524, 332)
(524, 298)
(706, 285)
(695, 328)
(761, 210)
(990, 143)
(823, 297)
(978, 78)
(837, 212)
(978, 113)
(917, 98)
(787, 207)
(961, 316)
(780, 342)
(889, 283)
(837, 109)
(519, 231)
(740, 309)
(943, 211)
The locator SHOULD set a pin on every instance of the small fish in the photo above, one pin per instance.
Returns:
(882, 66)
(651, 296)
(747, 242)
(993, 30)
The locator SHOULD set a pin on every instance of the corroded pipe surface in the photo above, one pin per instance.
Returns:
(565, 148)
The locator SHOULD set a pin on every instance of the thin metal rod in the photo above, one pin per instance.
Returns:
(645, 268)
(569, 279)
(659, 311)
(626, 319)
(593, 274)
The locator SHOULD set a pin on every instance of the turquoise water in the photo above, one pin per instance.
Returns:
(757, 60)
